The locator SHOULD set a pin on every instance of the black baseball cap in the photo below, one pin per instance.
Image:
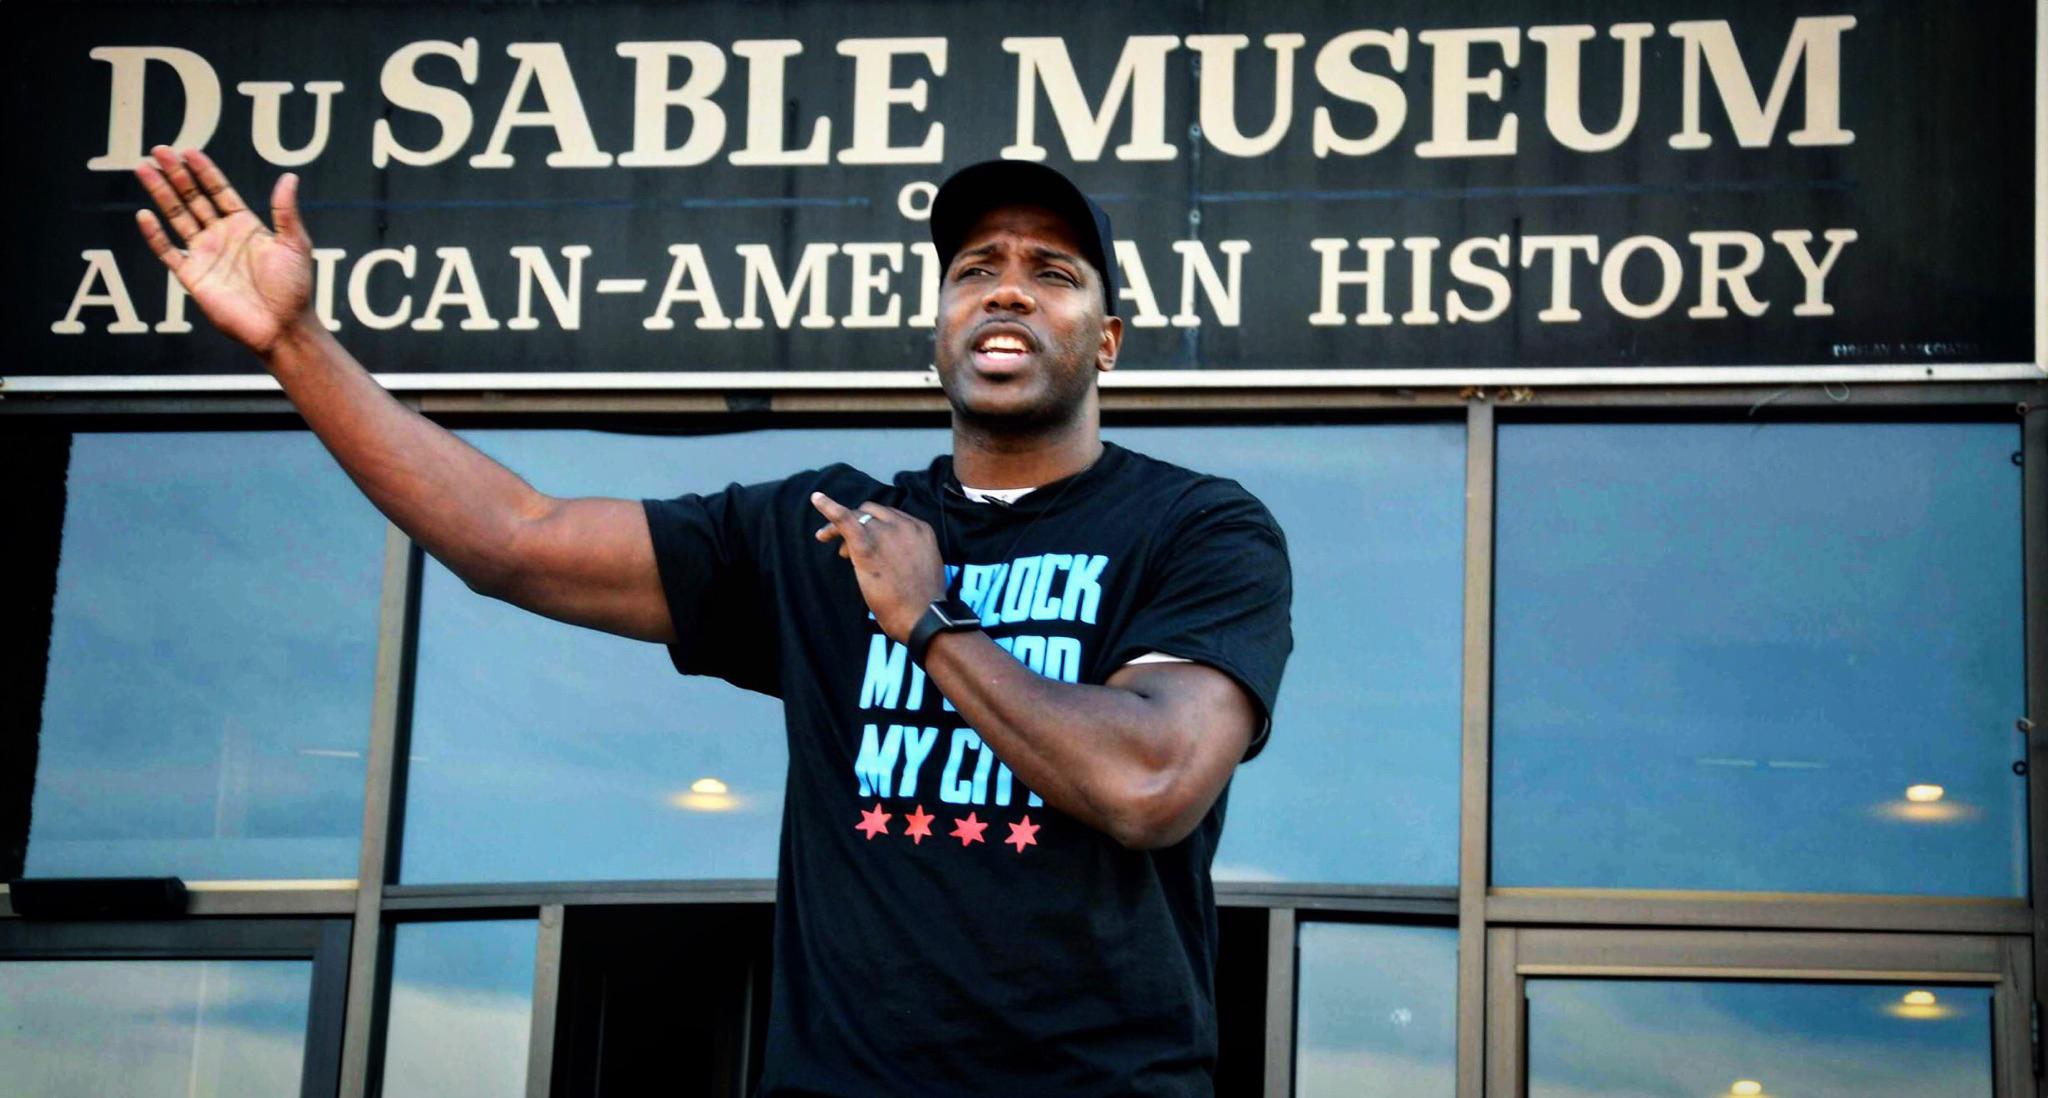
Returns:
(978, 188)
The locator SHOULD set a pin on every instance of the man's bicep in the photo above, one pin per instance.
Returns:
(1211, 715)
(1222, 599)
(591, 562)
(1212, 704)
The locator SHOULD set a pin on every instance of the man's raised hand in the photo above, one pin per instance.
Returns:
(251, 282)
(895, 559)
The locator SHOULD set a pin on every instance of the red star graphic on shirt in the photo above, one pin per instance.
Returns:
(874, 821)
(1023, 834)
(969, 830)
(920, 823)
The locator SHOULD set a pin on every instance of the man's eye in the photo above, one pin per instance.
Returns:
(965, 271)
(1063, 277)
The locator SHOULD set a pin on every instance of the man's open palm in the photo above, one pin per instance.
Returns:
(251, 282)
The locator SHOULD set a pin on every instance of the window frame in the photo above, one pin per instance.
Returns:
(1771, 908)
(2019, 928)
(1516, 954)
(1284, 974)
(226, 896)
(324, 942)
(547, 970)
(1361, 895)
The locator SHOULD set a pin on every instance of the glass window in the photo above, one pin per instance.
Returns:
(547, 752)
(1359, 783)
(541, 751)
(461, 1010)
(211, 657)
(1757, 1040)
(1377, 1011)
(1727, 654)
(143, 1029)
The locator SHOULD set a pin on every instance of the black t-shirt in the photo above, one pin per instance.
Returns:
(940, 930)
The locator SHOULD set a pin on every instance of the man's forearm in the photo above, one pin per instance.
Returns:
(1102, 754)
(458, 503)
(1141, 757)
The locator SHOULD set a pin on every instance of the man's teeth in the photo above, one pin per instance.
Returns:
(1002, 345)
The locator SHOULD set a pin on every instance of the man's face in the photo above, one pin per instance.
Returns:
(1021, 331)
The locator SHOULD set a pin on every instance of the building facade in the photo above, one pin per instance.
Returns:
(1657, 413)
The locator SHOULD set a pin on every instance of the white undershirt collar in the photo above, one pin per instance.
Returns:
(996, 495)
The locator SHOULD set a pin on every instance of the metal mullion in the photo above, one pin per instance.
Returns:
(572, 404)
(2012, 1017)
(380, 806)
(1991, 397)
(532, 894)
(653, 400)
(1759, 910)
(1420, 910)
(2034, 526)
(1416, 899)
(1506, 1031)
(547, 983)
(222, 405)
(162, 939)
(320, 1073)
(1805, 955)
(1280, 990)
(1475, 751)
(274, 897)
(924, 380)
(2041, 186)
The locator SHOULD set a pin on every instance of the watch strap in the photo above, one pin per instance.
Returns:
(942, 616)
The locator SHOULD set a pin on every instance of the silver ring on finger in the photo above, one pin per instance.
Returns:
(865, 518)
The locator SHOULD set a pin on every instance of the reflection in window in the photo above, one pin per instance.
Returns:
(461, 1010)
(541, 751)
(210, 661)
(1360, 781)
(1757, 1040)
(1377, 1011)
(1783, 657)
(153, 1029)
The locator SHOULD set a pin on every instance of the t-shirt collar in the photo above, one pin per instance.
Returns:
(948, 486)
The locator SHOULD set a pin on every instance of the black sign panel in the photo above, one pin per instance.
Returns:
(733, 187)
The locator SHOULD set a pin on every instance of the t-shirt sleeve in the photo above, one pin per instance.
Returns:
(720, 596)
(1219, 593)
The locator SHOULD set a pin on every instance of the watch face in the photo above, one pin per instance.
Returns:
(958, 614)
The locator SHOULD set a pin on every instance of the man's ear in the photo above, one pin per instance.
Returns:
(1112, 342)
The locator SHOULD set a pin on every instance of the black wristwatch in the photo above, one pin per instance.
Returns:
(942, 616)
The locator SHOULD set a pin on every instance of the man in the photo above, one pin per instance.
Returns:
(1016, 682)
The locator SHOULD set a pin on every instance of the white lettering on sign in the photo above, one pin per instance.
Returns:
(1140, 77)
(196, 79)
(1440, 93)
(853, 285)
(1724, 262)
(893, 79)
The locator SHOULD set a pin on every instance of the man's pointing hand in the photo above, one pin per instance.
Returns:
(252, 283)
(894, 557)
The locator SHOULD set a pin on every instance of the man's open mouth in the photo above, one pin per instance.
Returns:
(1001, 347)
